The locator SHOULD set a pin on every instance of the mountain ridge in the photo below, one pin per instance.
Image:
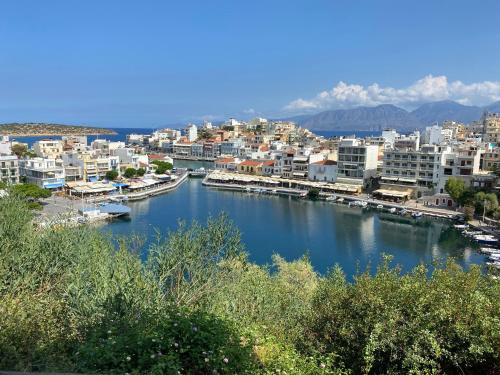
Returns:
(388, 115)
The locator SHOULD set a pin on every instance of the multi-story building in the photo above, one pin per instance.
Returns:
(491, 159)
(9, 169)
(92, 167)
(47, 148)
(437, 135)
(357, 160)
(232, 146)
(191, 132)
(462, 162)
(5, 145)
(417, 170)
(46, 173)
(323, 170)
(491, 128)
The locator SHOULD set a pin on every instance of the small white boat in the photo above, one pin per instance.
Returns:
(340, 200)
(471, 233)
(332, 198)
(417, 214)
(403, 212)
(248, 190)
(489, 250)
(363, 204)
(485, 239)
(461, 226)
(274, 191)
(494, 264)
(392, 210)
(380, 207)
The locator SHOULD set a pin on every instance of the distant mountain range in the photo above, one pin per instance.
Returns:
(388, 115)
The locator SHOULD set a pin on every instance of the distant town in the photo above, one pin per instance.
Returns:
(392, 166)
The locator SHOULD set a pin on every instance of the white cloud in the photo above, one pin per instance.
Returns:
(249, 111)
(427, 89)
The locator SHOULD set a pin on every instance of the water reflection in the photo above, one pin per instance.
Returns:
(331, 233)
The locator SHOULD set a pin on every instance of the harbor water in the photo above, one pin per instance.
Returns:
(329, 233)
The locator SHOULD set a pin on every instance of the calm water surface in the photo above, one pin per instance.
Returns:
(329, 233)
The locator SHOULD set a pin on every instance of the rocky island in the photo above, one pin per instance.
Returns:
(44, 129)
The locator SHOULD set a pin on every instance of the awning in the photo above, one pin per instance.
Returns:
(299, 174)
(389, 178)
(53, 185)
(392, 193)
(409, 180)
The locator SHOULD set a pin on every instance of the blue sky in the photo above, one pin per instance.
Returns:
(152, 63)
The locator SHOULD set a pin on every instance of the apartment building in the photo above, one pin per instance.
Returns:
(46, 173)
(415, 169)
(491, 159)
(9, 169)
(47, 148)
(232, 146)
(357, 160)
(191, 132)
(461, 162)
(491, 128)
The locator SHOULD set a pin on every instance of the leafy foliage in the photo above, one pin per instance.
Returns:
(77, 300)
(162, 166)
(130, 172)
(455, 188)
(111, 175)
(31, 191)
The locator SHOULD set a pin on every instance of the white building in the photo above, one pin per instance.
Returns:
(462, 162)
(357, 160)
(9, 169)
(323, 170)
(191, 132)
(5, 145)
(436, 135)
(46, 173)
(418, 170)
(48, 148)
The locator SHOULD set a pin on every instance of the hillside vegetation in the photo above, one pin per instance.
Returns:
(34, 129)
(77, 300)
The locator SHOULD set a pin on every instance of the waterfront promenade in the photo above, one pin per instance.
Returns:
(265, 185)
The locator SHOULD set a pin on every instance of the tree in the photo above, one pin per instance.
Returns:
(455, 188)
(130, 172)
(19, 150)
(111, 175)
(31, 191)
(141, 172)
(313, 194)
(162, 166)
(485, 202)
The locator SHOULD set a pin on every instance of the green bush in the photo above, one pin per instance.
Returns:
(78, 300)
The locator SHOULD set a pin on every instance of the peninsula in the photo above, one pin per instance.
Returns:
(45, 129)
